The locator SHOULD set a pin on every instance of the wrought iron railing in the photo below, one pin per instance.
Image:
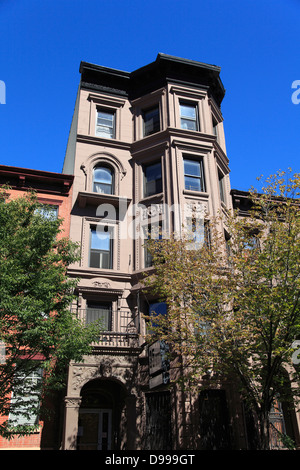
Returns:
(119, 329)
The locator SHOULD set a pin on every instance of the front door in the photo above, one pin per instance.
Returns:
(94, 429)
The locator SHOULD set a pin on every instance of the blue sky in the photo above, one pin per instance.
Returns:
(255, 42)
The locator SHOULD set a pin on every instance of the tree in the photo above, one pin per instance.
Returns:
(233, 308)
(37, 329)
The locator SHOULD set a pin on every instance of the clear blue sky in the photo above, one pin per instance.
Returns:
(255, 42)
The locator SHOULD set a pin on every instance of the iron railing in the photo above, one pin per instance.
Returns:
(119, 330)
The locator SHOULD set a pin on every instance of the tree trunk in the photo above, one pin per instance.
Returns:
(264, 431)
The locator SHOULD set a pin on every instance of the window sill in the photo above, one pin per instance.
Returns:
(153, 197)
(197, 194)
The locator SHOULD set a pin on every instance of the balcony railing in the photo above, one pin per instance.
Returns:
(119, 330)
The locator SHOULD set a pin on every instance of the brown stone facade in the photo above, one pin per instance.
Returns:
(144, 147)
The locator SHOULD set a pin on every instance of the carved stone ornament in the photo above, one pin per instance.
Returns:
(103, 285)
(152, 211)
(72, 402)
(100, 367)
(197, 208)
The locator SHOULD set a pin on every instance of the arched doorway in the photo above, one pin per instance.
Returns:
(101, 416)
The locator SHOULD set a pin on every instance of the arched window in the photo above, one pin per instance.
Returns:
(103, 180)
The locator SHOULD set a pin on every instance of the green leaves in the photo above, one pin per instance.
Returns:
(233, 307)
(36, 324)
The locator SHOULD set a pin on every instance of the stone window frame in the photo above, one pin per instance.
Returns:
(109, 104)
(144, 103)
(107, 160)
(194, 97)
(88, 224)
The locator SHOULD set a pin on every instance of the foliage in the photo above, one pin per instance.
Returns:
(233, 306)
(36, 324)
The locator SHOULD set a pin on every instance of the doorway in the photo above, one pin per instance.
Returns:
(102, 421)
(214, 420)
(95, 429)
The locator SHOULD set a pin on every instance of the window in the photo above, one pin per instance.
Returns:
(103, 180)
(101, 247)
(189, 116)
(99, 311)
(152, 179)
(153, 232)
(215, 127)
(156, 309)
(47, 212)
(147, 258)
(25, 399)
(221, 187)
(193, 175)
(151, 121)
(105, 125)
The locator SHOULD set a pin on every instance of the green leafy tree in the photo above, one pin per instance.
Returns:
(233, 308)
(37, 329)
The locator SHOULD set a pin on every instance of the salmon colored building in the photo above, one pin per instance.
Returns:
(53, 190)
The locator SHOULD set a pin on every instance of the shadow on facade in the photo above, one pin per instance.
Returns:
(102, 420)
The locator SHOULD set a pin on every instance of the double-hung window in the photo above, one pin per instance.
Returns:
(101, 247)
(189, 116)
(105, 125)
(193, 174)
(151, 121)
(152, 179)
(103, 180)
(25, 399)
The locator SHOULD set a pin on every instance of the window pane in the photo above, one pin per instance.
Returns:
(153, 179)
(104, 260)
(103, 131)
(192, 167)
(221, 188)
(102, 188)
(103, 175)
(100, 240)
(151, 121)
(192, 184)
(105, 119)
(100, 251)
(159, 308)
(47, 212)
(188, 111)
(189, 125)
(153, 171)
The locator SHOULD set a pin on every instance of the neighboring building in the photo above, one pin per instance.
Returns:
(152, 138)
(54, 190)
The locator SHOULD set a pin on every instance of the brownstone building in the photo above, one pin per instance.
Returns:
(146, 148)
